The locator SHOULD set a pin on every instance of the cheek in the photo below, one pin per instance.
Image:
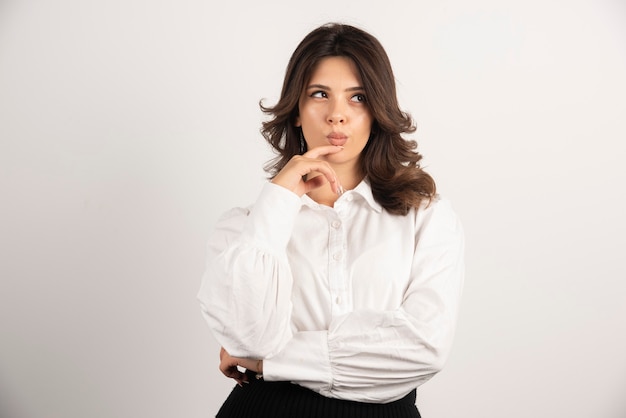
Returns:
(305, 116)
(366, 123)
(311, 118)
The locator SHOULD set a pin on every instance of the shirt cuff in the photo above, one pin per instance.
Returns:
(304, 361)
(272, 217)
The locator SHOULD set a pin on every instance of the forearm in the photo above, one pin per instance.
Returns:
(366, 356)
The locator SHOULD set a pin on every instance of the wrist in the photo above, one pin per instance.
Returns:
(259, 369)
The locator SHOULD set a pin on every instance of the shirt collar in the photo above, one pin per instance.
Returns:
(363, 189)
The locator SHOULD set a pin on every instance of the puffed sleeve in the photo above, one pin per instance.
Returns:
(245, 293)
(380, 356)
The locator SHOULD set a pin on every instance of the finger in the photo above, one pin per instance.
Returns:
(232, 372)
(243, 379)
(239, 377)
(226, 370)
(315, 182)
(323, 150)
(329, 173)
(291, 175)
(327, 176)
(228, 366)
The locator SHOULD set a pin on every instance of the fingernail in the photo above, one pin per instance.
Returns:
(340, 190)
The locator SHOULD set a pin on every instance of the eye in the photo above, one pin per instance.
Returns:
(319, 94)
(359, 98)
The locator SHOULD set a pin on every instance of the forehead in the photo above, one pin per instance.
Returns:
(335, 70)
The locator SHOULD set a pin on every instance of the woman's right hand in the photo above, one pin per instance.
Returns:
(229, 367)
(293, 174)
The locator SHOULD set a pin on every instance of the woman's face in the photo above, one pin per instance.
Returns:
(334, 111)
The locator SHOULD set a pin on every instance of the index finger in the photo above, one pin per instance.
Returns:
(323, 150)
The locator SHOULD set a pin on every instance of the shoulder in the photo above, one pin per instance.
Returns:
(230, 222)
(234, 213)
(438, 213)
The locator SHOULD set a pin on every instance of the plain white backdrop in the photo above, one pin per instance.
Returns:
(128, 126)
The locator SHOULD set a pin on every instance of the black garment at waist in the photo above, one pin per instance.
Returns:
(286, 400)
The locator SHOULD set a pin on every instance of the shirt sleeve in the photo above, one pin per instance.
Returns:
(245, 294)
(380, 356)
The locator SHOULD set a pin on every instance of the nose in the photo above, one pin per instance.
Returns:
(336, 113)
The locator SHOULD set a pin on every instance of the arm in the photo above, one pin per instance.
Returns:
(379, 356)
(245, 295)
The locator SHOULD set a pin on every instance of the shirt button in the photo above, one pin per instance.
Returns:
(336, 224)
(350, 198)
(337, 256)
(338, 300)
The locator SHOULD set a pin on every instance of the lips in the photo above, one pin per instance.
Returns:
(337, 138)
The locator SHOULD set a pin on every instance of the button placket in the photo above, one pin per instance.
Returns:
(336, 266)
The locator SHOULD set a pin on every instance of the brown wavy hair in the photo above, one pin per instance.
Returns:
(389, 161)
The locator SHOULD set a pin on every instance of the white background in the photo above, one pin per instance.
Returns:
(128, 126)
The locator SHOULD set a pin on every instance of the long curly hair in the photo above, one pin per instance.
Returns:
(389, 161)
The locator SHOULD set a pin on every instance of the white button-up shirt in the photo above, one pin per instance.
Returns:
(349, 301)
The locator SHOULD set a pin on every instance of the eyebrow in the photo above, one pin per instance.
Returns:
(323, 87)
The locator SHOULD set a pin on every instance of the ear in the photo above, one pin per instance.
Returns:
(297, 124)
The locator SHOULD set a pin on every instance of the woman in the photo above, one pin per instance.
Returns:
(338, 289)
